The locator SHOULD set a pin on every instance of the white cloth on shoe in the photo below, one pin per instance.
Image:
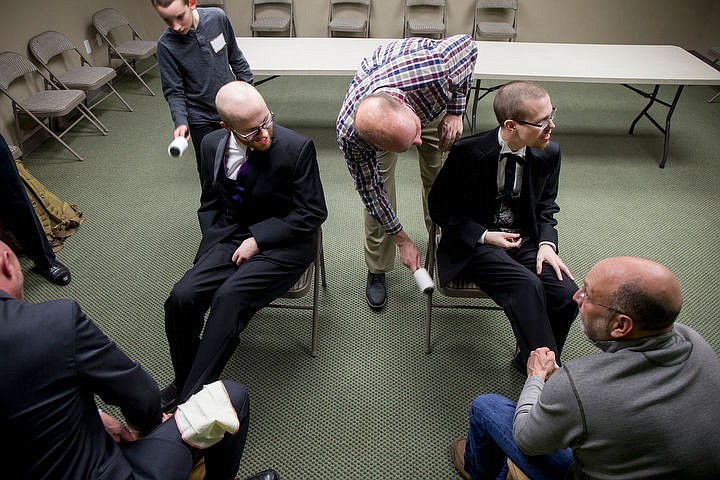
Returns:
(206, 416)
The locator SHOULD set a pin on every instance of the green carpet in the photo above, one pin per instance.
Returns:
(372, 405)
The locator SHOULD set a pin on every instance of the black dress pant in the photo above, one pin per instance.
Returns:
(164, 455)
(540, 307)
(233, 294)
(18, 214)
(197, 133)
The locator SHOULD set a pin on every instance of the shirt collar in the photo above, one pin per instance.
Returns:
(236, 156)
(392, 91)
(234, 147)
(504, 148)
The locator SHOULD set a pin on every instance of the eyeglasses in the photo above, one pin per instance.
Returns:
(582, 296)
(543, 125)
(252, 134)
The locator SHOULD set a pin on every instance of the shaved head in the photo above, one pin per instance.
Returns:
(239, 103)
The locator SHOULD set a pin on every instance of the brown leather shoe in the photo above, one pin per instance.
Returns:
(457, 454)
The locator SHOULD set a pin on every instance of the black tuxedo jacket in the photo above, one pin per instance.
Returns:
(462, 199)
(54, 360)
(284, 203)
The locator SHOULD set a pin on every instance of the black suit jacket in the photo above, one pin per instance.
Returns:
(284, 202)
(462, 198)
(54, 360)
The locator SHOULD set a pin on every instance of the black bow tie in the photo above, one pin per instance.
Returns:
(515, 158)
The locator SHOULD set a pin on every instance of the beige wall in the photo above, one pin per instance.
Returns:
(692, 24)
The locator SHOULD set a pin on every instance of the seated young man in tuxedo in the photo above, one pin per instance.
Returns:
(494, 200)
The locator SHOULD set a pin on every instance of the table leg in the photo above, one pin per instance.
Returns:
(476, 98)
(644, 113)
(260, 82)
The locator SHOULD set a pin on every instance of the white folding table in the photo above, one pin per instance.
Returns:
(654, 65)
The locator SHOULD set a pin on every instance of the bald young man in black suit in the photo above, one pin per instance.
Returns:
(261, 205)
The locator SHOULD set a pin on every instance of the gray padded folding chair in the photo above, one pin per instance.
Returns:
(313, 277)
(48, 45)
(349, 16)
(211, 3)
(426, 18)
(272, 16)
(495, 20)
(48, 104)
(456, 288)
(130, 51)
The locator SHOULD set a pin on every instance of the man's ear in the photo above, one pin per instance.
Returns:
(225, 126)
(622, 326)
(509, 125)
(6, 268)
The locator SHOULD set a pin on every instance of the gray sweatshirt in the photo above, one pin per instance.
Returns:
(194, 66)
(647, 408)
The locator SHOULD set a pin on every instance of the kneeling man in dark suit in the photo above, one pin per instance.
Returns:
(55, 360)
(494, 200)
(260, 209)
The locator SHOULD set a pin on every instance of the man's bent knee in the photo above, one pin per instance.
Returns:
(239, 397)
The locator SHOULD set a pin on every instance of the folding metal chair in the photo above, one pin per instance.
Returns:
(210, 3)
(272, 16)
(349, 16)
(456, 288)
(503, 16)
(314, 276)
(50, 103)
(129, 52)
(425, 18)
(48, 45)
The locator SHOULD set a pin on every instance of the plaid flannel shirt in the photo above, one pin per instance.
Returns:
(433, 76)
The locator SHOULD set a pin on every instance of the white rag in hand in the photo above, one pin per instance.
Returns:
(206, 416)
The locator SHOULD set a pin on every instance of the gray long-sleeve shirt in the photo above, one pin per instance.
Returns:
(647, 408)
(194, 66)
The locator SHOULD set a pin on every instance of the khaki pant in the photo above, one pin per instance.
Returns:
(379, 248)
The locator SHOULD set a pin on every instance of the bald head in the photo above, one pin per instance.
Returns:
(646, 290)
(387, 123)
(239, 103)
(11, 276)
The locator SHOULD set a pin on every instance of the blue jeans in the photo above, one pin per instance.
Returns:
(490, 443)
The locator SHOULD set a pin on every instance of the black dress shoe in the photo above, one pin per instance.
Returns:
(265, 475)
(168, 398)
(57, 273)
(375, 291)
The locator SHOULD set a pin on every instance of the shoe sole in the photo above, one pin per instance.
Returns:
(375, 306)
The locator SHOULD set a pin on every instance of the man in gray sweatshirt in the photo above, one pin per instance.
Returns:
(647, 407)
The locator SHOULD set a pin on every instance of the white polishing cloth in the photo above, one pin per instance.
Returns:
(206, 416)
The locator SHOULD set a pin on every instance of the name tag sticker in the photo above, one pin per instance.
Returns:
(218, 43)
